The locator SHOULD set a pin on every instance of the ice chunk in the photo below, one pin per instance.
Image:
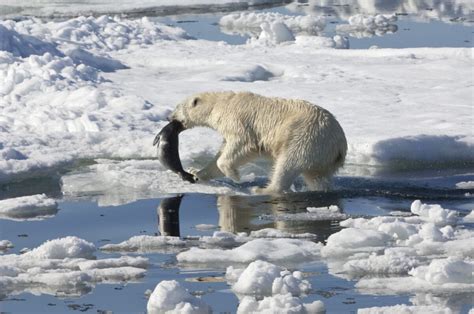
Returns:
(280, 303)
(65, 266)
(33, 207)
(170, 297)
(434, 213)
(351, 240)
(5, 245)
(145, 243)
(465, 185)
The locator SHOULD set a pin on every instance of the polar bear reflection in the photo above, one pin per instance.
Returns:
(241, 214)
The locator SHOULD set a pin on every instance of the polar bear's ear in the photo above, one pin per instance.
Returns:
(195, 101)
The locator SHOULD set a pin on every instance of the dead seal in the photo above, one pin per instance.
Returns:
(168, 154)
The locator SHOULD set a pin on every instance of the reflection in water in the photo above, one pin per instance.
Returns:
(168, 216)
(450, 11)
(243, 213)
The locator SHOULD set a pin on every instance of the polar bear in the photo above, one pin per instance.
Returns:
(297, 136)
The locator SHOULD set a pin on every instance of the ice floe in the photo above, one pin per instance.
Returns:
(170, 297)
(65, 266)
(469, 218)
(434, 213)
(33, 207)
(282, 251)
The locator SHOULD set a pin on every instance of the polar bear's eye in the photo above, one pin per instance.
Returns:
(195, 101)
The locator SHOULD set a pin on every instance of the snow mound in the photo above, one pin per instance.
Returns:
(361, 25)
(280, 303)
(103, 33)
(65, 266)
(263, 279)
(252, 74)
(24, 45)
(33, 207)
(170, 297)
(250, 23)
(434, 213)
(286, 251)
(272, 34)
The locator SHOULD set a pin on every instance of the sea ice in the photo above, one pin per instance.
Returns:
(282, 251)
(170, 297)
(146, 243)
(465, 185)
(65, 266)
(33, 207)
(469, 218)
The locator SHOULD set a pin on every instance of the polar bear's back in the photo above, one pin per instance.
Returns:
(275, 125)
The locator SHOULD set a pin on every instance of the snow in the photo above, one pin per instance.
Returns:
(33, 207)
(60, 111)
(351, 240)
(170, 297)
(65, 266)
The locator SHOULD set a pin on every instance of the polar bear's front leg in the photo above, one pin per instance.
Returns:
(209, 172)
(231, 158)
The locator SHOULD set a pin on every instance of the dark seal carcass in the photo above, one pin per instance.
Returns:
(168, 154)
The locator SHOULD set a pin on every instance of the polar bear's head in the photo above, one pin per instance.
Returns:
(194, 111)
(197, 110)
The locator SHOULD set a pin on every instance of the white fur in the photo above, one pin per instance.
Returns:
(300, 138)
